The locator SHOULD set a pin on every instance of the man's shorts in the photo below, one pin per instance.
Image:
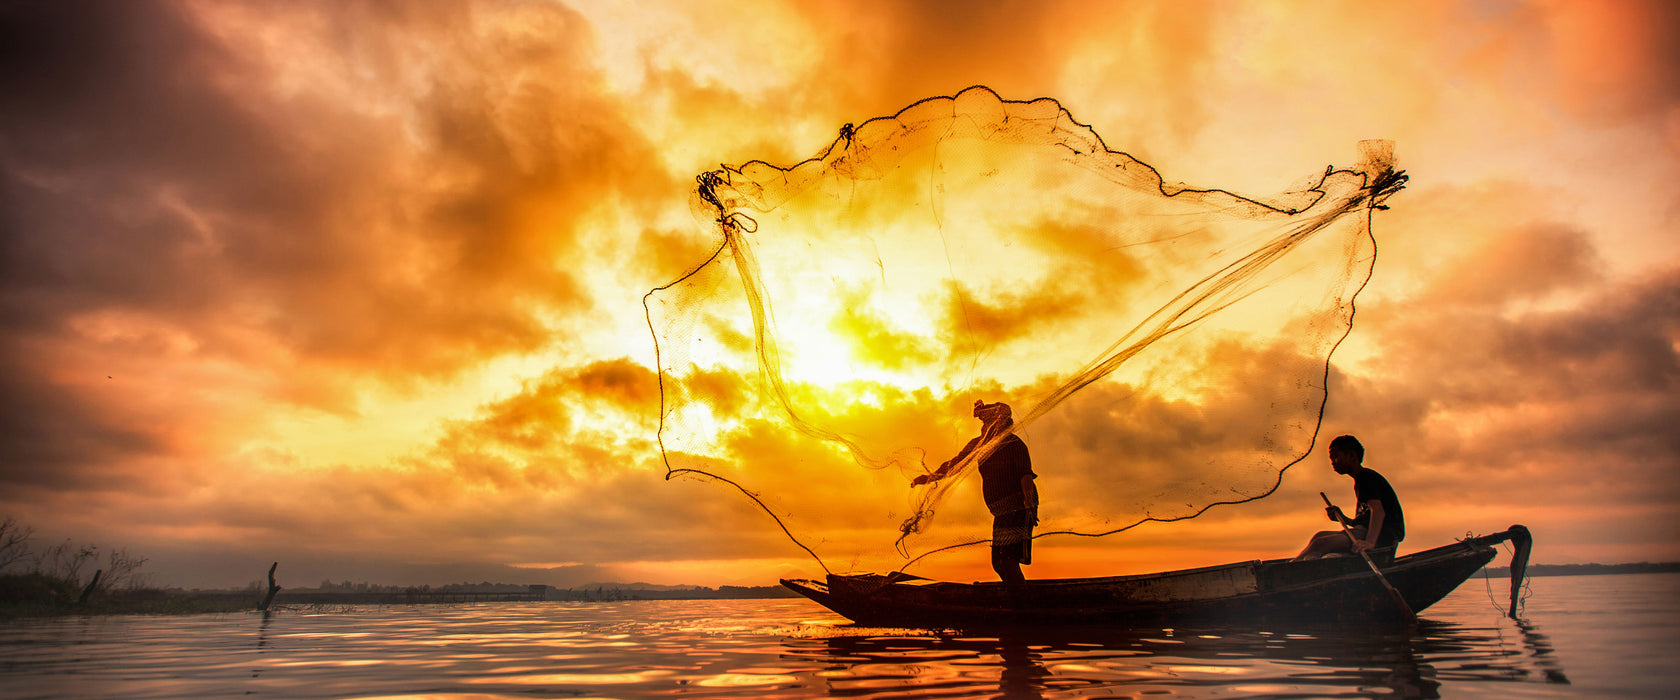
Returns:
(1012, 537)
(1381, 555)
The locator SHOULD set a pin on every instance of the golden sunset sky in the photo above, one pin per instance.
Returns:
(357, 287)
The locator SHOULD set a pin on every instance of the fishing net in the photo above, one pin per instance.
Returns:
(1165, 349)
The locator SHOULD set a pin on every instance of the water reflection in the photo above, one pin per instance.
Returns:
(790, 649)
(1244, 662)
(1539, 647)
(1023, 675)
(262, 629)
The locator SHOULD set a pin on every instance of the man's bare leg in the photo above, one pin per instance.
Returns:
(1007, 568)
(1326, 542)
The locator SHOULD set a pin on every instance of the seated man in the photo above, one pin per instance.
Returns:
(1377, 526)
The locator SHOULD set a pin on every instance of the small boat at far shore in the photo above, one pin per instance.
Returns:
(1333, 589)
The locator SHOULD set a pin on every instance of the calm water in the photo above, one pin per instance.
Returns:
(1582, 637)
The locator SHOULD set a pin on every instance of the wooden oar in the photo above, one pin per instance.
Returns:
(1411, 617)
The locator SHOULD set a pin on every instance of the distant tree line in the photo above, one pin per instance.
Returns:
(597, 593)
(348, 586)
(1591, 569)
(603, 593)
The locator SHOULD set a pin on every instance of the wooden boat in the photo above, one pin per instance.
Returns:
(1335, 589)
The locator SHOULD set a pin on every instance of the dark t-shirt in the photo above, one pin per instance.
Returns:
(1368, 485)
(1001, 472)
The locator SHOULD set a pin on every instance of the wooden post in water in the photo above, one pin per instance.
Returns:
(273, 588)
(91, 585)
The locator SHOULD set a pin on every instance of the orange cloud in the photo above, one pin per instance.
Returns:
(1008, 316)
(241, 237)
(1616, 60)
(1521, 263)
(874, 339)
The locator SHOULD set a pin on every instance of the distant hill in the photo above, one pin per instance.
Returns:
(1591, 569)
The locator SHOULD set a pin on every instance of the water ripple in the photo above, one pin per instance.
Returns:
(791, 649)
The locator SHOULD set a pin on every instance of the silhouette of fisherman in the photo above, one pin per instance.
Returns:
(1377, 526)
(1006, 482)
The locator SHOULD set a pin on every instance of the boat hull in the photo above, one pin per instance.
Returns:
(1340, 589)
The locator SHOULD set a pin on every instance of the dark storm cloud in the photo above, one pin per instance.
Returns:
(1571, 407)
(1520, 263)
(50, 440)
(102, 110)
(162, 168)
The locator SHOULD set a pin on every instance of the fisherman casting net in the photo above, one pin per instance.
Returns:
(1165, 349)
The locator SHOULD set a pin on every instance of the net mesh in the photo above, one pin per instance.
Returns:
(1165, 348)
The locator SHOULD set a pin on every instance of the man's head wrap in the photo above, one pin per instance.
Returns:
(989, 412)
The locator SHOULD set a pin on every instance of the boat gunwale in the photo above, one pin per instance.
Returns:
(1406, 563)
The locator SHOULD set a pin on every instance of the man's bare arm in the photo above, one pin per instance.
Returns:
(1372, 528)
(945, 469)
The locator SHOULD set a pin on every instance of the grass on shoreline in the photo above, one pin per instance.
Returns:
(39, 595)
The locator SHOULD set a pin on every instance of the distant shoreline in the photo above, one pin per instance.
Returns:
(1591, 569)
(619, 592)
(20, 603)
